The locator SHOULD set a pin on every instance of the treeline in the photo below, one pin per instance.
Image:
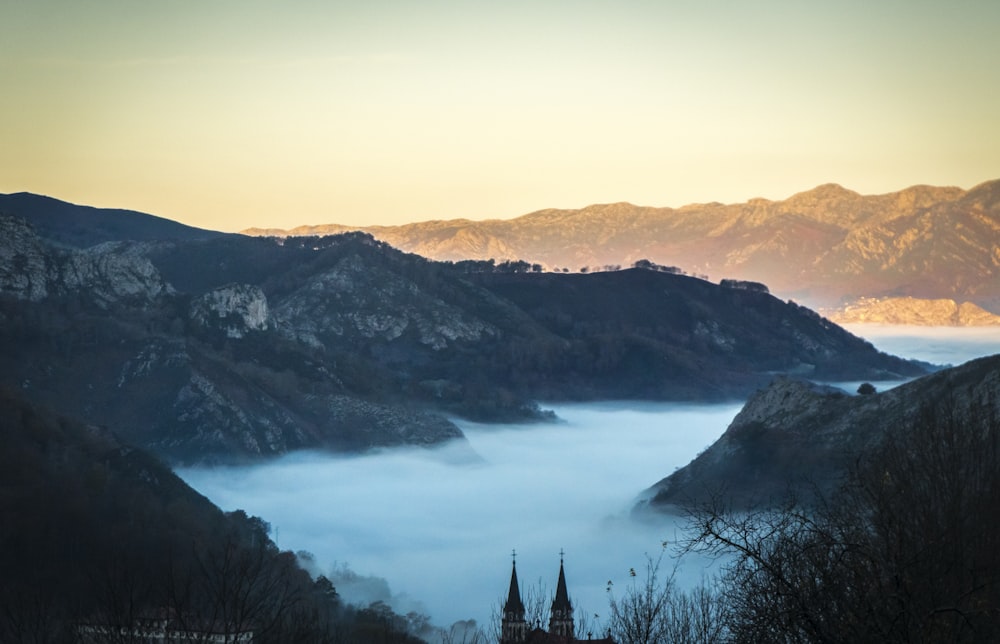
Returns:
(521, 266)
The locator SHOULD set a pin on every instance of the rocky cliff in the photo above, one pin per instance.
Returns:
(822, 246)
(236, 308)
(796, 437)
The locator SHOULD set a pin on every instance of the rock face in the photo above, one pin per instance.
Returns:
(107, 272)
(236, 309)
(24, 271)
(110, 273)
(793, 436)
(357, 300)
(909, 310)
(822, 247)
(237, 347)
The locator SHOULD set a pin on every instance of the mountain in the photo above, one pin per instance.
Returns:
(82, 226)
(238, 347)
(195, 375)
(909, 310)
(797, 436)
(824, 246)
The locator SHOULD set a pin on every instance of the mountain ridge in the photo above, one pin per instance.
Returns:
(823, 246)
(82, 226)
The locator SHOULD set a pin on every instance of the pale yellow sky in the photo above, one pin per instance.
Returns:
(235, 113)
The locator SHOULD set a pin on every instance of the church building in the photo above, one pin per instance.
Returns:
(514, 629)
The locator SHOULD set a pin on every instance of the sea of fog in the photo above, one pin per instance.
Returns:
(432, 530)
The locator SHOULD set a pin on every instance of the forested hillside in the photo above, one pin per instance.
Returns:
(96, 532)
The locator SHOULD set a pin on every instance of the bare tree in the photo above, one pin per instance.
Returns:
(654, 610)
(906, 552)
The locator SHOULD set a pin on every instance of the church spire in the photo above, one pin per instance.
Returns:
(561, 618)
(514, 594)
(513, 628)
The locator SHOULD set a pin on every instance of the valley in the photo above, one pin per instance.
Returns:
(433, 531)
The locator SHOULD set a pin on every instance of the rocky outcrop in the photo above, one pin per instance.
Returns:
(355, 299)
(109, 273)
(910, 310)
(215, 419)
(235, 309)
(794, 437)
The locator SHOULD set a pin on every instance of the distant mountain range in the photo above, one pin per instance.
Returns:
(207, 347)
(798, 437)
(825, 247)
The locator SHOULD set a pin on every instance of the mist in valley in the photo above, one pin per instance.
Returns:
(432, 530)
(944, 346)
(440, 524)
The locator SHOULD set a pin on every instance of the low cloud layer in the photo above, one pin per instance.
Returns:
(937, 345)
(440, 524)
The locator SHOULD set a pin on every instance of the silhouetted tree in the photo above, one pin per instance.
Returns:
(866, 389)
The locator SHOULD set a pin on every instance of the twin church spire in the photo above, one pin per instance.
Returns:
(513, 626)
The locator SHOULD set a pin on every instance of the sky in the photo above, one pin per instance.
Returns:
(228, 114)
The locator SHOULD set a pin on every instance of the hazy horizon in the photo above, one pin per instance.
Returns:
(228, 115)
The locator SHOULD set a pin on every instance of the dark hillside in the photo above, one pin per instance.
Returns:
(93, 531)
(84, 226)
(794, 436)
(648, 334)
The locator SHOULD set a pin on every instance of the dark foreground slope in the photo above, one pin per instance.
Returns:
(95, 532)
(796, 437)
(239, 347)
